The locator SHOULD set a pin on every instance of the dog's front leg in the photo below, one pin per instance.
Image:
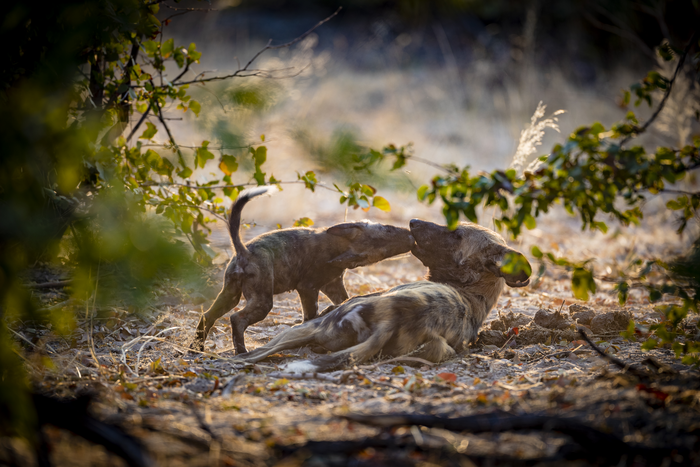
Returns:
(309, 302)
(228, 298)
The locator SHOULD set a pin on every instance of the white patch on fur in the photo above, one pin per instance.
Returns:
(303, 366)
(356, 321)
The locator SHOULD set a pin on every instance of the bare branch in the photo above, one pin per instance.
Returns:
(246, 71)
(619, 29)
(216, 187)
(138, 124)
(656, 113)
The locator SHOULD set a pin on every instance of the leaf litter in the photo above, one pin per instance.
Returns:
(200, 409)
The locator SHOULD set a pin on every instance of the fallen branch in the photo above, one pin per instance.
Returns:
(593, 444)
(51, 285)
(626, 367)
(202, 424)
(73, 415)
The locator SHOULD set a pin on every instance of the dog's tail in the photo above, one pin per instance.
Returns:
(234, 219)
(351, 356)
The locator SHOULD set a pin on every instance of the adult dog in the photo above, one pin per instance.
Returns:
(467, 269)
(302, 259)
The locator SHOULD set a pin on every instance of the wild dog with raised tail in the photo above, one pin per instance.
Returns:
(467, 270)
(302, 259)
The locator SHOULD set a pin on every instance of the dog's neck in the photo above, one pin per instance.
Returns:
(482, 295)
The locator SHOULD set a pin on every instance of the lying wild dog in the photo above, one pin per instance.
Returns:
(442, 314)
(302, 259)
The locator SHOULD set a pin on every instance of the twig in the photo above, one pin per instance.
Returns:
(233, 382)
(554, 354)
(148, 340)
(167, 130)
(138, 124)
(216, 187)
(246, 71)
(626, 367)
(658, 366)
(656, 113)
(397, 359)
(51, 285)
(318, 376)
(21, 336)
(202, 424)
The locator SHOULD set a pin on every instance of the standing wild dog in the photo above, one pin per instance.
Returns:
(467, 269)
(302, 259)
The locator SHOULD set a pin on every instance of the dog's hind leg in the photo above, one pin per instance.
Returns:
(298, 336)
(335, 290)
(436, 350)
(259, 303)
(351, 356)
(227, 299)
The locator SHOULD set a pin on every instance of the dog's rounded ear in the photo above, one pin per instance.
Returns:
(349, 230)
(468, 272)
(513, 266)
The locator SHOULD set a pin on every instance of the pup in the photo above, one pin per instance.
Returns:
(302, 259)
(442, 314)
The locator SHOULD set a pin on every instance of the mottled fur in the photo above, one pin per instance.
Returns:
(302, 259)
(442, 314)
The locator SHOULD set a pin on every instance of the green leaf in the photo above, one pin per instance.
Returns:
(582, 282)
(650, 344)
(380, 203)
(622, 292)
(530, 222)
(185, 173)
(150, 131)
(167, 48)
(259, 155)
(202, 155)
(515, 263)
(422, 192)
(195, 107)
(228, 164)
(536, 252)
(150, 47)
(303, 222)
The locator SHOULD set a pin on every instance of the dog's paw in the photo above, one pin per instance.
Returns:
(196, 346)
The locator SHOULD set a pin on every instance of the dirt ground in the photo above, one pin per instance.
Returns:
(529, 362)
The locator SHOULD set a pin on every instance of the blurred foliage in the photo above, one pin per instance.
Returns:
(344, 157)
(82, 92)
(596, 172)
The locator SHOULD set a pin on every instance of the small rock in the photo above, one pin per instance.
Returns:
(200, 385)
(549, 320)
(611, 322)
(581, 314)
(509, 320)
(491, 337)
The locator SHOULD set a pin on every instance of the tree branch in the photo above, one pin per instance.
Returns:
(247, 72)
(681, 61)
